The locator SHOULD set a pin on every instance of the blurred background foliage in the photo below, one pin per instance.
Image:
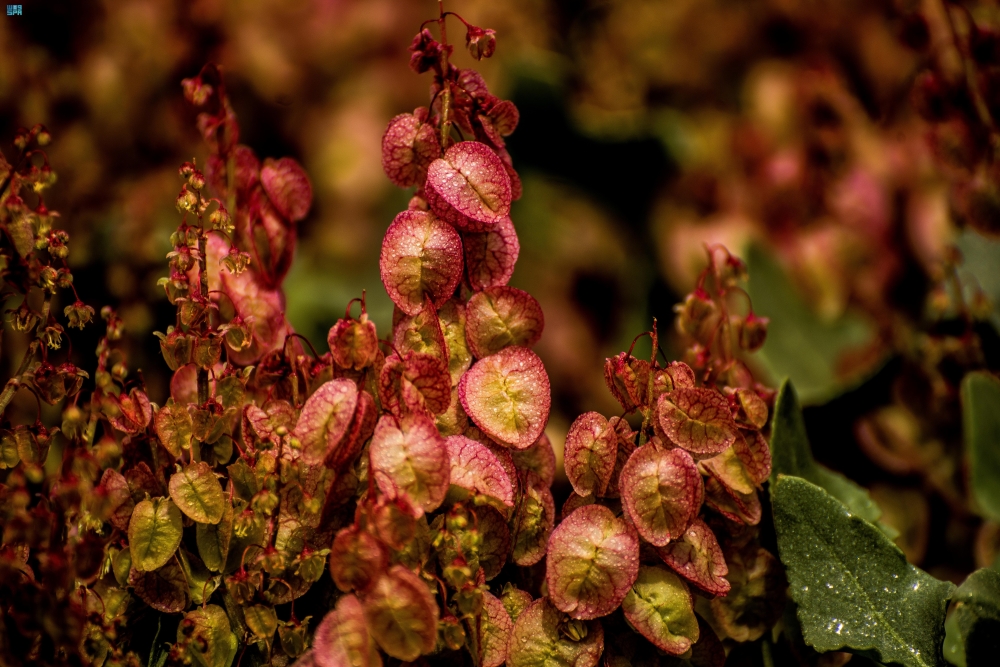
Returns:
(803, 134)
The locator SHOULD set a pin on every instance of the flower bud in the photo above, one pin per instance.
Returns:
(176, 348)
(52, 335)
(187, 201)
(696, 310)
(236, 262)
(452, 633)
(221, 220)
(753, 332)
(481, 43)
(196, 180)
(47, 279)
(195, 91)
(24, 318)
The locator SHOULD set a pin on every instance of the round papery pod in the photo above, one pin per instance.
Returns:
(421, 333)
(325, 418)
(469, 181)
(662, 491)
(591, 450)
(196, 491)
(573, 503)
(357, 558)
(533, 520)
(476, 469)
(360, 430)
(496, 540)
(698, 420)
(452, 421)
(697, 556)
(514, 600)
(515, 180)
(414, 383)
(730, 471)
(537, 640)
(119, 499)
(353, 343)
(401, 614)
(753, 409)
(732, 504)
(659, 605)
(593, 558)
(490, 256)
(626, 445)
(452, 318)
(421, 257)
(505, 459)
(499, 317)
(507, 395)
(496, 631)
(287, 186)
(154, 533)
(409, 145)
(539, 459)
(752, 450)
(410, 456)
(342, 638)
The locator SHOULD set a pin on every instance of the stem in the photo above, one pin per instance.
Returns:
(203, 285)
(969, 69)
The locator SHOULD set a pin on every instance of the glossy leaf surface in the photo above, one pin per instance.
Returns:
(697, 419)
(154, 533)
(659, 605)
(981, 426)
(538, 642)
(325, 418)
(196, 491)
(662, 491)
(421, 257)
(409, 455)
(401, 614)
(502, 316)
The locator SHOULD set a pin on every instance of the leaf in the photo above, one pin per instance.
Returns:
(401, 614)
(174, 428)
(213, 539)
(974, 624)
(981, 430)
(697, 419)
(469, 181)
(409, 145)
(325, 418)
(659, 605)
(662, 491)
(209, 638)
(800, 344)
(342, 639)
(154, 533)
(593, 559)
(501, 316)
(196, 491)
(478, 470)
(164, 589)
(534, 520)
(496, 631)
(490, 256)
(590, 453)
(790, 455)
(409, 455)
(288, 187)
(507, 395)
(421, 257)
(853, 586)
(356, 559)
(697, 556)
(262, 621)
(537, 641)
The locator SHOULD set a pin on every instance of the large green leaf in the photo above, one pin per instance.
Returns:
(154, 533)
(791, 455)
(853, 587)
(197, 492)
(981, 424)
(974, 625)
(800, 344)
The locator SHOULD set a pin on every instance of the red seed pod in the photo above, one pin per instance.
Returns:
(325, 419)
(539, 459)
(499, 317)
(753, 332)
(409, 456)
(490, 256)
(421, 257)
(421, 333)
(481, 42)
(752, 450)
(425, 52)
(477, 469)
(343, 638)
(135, 412)
(697, 556)
(353, 343)
(533, 521)
(414, 382)
(743, 507)
(409, 145)
(591, 450)
(698, 420)
(507, 395)
(470, 181)
(662, 491)
(592, 562)
(288, 187)
(537, 635)
(356, 559)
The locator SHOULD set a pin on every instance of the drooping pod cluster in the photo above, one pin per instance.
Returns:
(666, 510)
(458, 468)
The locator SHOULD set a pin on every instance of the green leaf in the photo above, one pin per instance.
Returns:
(981, 426)
(174, 427)
(974, 625)
(791, 455)
(853, 587)
(213, 539)
(261, 620)
(154, 533)
(800, 344)
(197, 492)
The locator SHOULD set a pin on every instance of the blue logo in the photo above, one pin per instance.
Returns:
(13, 10)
